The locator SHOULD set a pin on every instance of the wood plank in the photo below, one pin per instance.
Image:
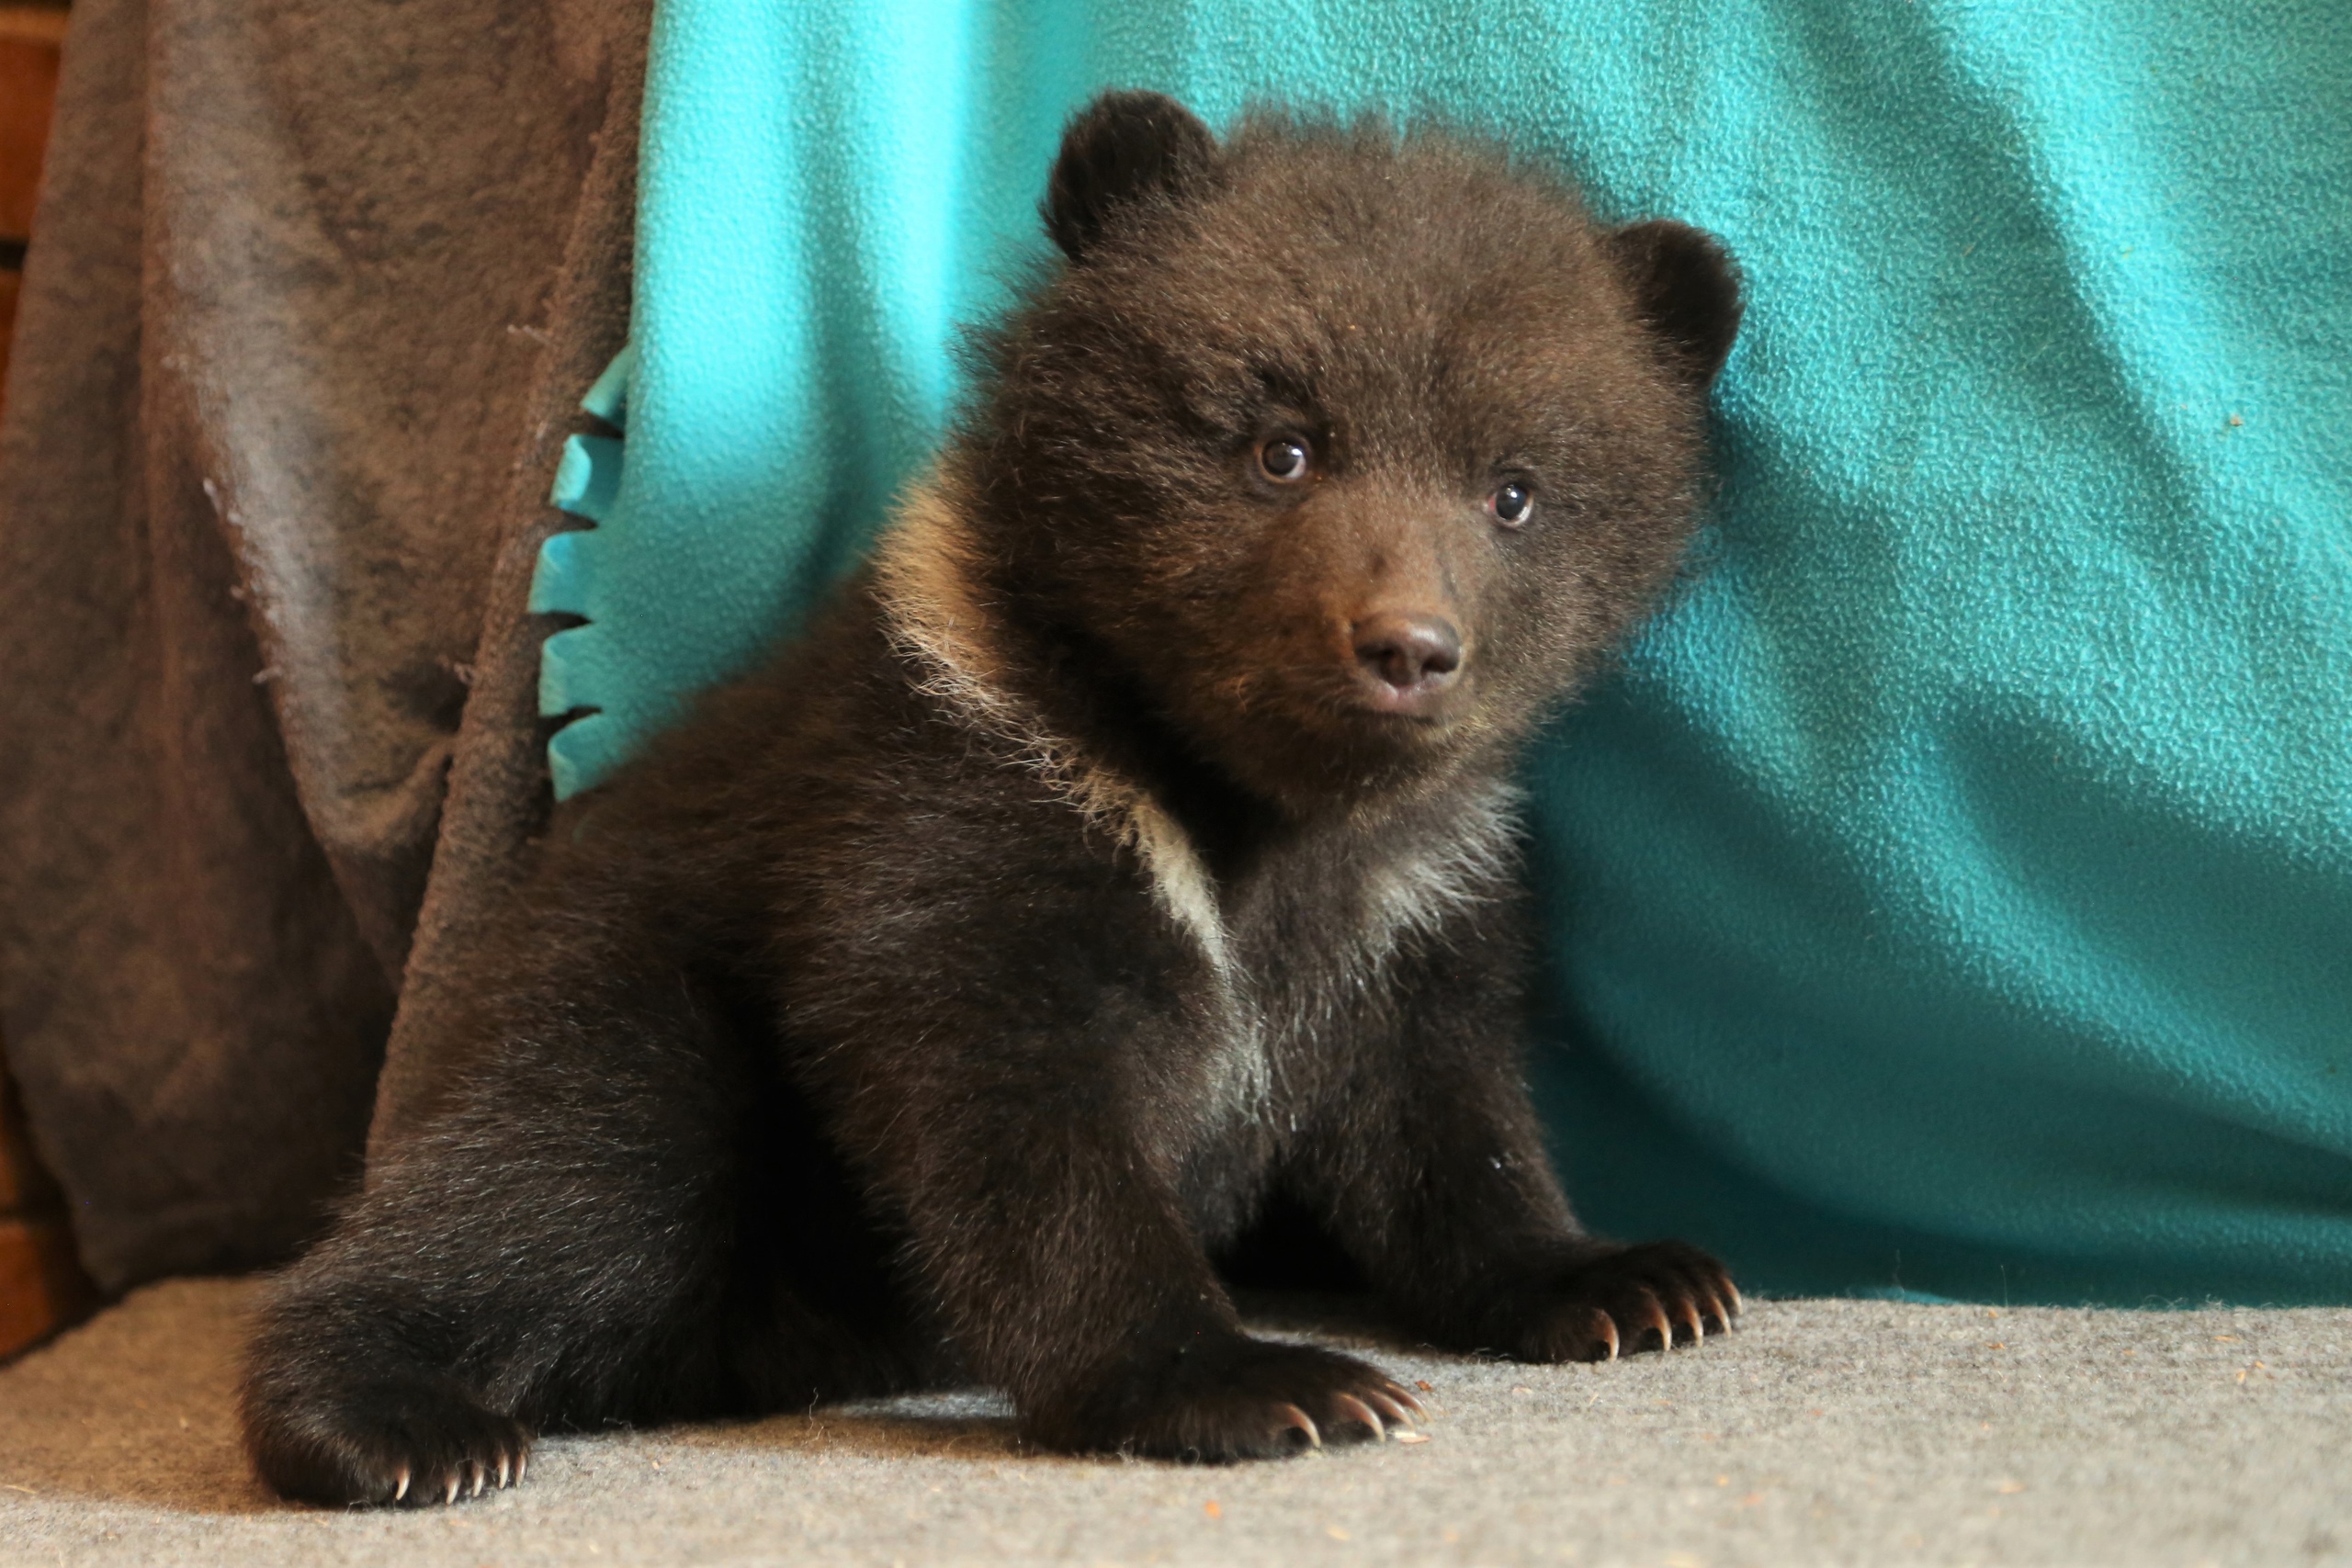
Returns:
(24, 1188)
(36, 24)
(28, 96)
(42, 1286)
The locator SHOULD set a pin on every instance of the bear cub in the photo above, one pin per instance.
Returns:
(1128, 847)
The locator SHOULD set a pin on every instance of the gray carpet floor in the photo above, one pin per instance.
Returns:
(1821, 1432)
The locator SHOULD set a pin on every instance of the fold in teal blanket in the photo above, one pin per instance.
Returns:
(1953, 891)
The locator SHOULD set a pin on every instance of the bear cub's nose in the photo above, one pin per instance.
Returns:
(1410, 657)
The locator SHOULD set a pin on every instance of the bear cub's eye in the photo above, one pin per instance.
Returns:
(1512, 501)
(1285, 460)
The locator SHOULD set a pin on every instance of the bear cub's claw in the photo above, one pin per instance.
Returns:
(1615, 1303)
(411, 1442)
(1217, 1400)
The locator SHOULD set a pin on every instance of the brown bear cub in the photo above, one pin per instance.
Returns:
(1129, 848)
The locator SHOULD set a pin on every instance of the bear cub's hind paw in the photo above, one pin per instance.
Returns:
(1216, 1399)
(413, 1441)
(1614, 1303)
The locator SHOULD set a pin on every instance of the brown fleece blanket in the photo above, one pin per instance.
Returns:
(313, 290)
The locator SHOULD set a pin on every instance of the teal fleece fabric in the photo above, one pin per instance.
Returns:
(1952, 891)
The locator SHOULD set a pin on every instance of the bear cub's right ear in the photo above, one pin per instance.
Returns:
(1688, 290)
(1120, 148)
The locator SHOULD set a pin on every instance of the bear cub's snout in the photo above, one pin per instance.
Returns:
(1128, 854)
(1411, 660)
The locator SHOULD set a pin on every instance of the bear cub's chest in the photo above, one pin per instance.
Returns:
(1315, 933)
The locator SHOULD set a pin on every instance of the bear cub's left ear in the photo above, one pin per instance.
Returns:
(1118, 149)
(1687, 287)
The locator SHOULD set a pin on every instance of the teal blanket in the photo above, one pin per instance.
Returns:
(1952, 891)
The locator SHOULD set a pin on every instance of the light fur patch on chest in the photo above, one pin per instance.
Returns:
(1415, 898)
(1402, 902)
(927, 575)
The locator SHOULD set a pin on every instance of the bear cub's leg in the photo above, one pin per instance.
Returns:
(1431, 1171)
(620, 1217)
(1070, 1271)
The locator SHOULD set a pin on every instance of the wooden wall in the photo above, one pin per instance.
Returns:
(42, 1286)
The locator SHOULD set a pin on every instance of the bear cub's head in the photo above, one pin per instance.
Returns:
(1341, 454)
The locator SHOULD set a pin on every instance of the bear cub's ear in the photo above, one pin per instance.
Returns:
(1120, 147)
(1687, 287)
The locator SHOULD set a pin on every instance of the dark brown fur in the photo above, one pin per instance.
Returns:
(939, 1000)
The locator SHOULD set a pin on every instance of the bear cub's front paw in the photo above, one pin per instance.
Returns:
(410, 1440)
(1217, 1397)
(1604, 1302)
